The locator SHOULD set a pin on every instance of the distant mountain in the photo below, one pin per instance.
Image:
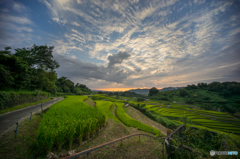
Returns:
(169, 89)
(146, 91)
(99, 91)
(140, 91)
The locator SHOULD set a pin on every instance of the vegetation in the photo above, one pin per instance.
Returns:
(216, 96)
(9, 99)
(22, 106)
(199, 140)
(153, 91)
(208, 119)
(132, 122)
(31, 68)
(105, 106)
(30, 71)
(68, 120)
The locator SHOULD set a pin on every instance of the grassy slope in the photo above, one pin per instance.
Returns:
(135, 114)
(105, 106)
(132, 122)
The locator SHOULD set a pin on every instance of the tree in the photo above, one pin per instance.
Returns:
(153, 91)
(202, 85)
(183, 93)
(13, 70)
(38, 56)
(140, 99)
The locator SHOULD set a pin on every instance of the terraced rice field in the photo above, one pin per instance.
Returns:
(212, 113)
(170, 112)
(200, 118)
(123, 117)
(67, 120)
(105, 106)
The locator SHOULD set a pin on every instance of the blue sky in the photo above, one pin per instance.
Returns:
(130, 43)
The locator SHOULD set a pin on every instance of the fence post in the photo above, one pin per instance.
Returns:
(169, 149)
(16, 130)
(163, 150)
(41, 107)
(31, 116)
(181, 140)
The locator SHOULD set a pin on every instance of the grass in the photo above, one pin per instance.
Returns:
(205, 118)
(24, 146)
(105, 106)
(22, 106)
(66, 121)
(90, 102)
(123, 117)
(234, 137)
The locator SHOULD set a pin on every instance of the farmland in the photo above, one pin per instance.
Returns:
(218, 121)
(66, 121)
(132, 122)
(72, 123)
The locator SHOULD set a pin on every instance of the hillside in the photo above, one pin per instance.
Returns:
(217, 96)
(146, 91)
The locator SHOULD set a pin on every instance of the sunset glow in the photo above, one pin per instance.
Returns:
(120, 89)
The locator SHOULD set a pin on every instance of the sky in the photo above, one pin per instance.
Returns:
(127, 44)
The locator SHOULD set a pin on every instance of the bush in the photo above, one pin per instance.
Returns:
(189, 102)
(10, 99)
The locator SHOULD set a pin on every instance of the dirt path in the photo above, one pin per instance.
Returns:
(135, 114)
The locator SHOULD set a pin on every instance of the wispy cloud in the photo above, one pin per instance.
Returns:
(170, 42)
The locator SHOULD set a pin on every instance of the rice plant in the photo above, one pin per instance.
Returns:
(67, 120)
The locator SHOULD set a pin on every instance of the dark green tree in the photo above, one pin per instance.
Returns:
(153, 91)
(38, 56)
(183, 93)
(14, 71)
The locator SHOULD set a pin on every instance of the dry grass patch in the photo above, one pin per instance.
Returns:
(89, 101)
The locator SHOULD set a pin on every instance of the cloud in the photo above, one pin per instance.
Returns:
(73, 68)
(117, 58)
(171, 42)
(19, 7)
(75, 23)
(16, 19)
(4, 10)
(59, 21)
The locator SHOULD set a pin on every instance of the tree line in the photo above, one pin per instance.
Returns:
(34, 69)
(225, 89)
